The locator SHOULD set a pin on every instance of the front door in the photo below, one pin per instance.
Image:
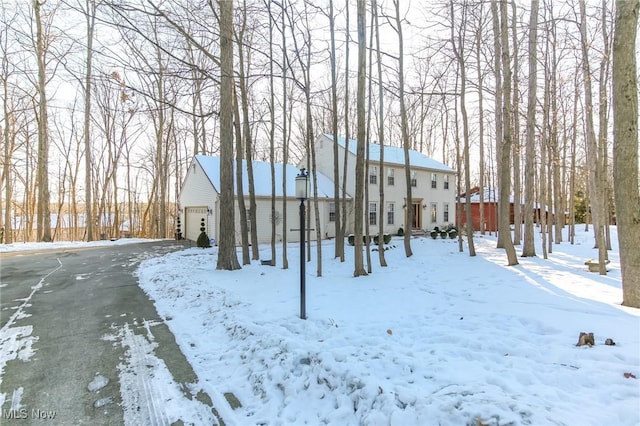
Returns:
(417, 216)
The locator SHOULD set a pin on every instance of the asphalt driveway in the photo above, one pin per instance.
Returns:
(57, 311)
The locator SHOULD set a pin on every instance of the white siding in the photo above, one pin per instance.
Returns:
(422, 193)
(263, 219)
(197, 192)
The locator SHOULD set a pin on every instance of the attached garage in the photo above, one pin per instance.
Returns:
(199, 198)
(193, 220)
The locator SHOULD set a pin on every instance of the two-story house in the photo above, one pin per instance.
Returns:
(433, 186)
(433, 194)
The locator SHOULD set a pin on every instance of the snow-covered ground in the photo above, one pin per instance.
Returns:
(22, 246)
(437, 338)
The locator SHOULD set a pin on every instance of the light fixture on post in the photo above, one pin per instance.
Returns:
(302, 193)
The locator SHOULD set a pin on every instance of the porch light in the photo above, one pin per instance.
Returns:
(302, 185)
(302, 193)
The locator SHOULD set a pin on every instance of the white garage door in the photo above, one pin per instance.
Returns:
(193, 221)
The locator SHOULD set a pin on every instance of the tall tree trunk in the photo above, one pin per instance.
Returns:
(528, 247)
(603, 126)
(505, 150)
(593, 160)
(8, 141)
(543, 204)
(458, 50)
(558, 208)
(405, 133)
(90, 17)
(374, 5)
(498, 109)
(481, 177)
(339, 243)
(347, 131)
(625, 148)
(227, 257)
(285, 133)
(360, 108)
(246, 132)
(272, 136)
(517, 146)
(240, 197)
(44, 213)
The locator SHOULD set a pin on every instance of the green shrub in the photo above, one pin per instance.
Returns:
(400, 232)
(351, 239)
(453, 234)
(203, 238)
(434, 234)
(443, 234)
(386, 238)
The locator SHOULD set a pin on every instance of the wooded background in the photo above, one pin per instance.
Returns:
(105, 102)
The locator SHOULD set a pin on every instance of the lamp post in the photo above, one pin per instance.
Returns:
(302, 193)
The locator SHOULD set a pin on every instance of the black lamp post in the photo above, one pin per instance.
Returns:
(302, 193)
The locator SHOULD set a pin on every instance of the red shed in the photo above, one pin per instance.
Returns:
(490, 207)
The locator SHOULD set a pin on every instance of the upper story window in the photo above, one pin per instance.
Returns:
(434, 180)
(373, 175)
(414, 179)
(446, 181)
(390, 177)
(332, 211)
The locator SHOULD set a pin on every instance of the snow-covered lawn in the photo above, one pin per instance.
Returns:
(437, 338)
(22, 246)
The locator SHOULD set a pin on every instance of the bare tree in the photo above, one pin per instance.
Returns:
(90, 16)
(457, 43)
(44, 197)
(517, 146)
(593, 157)
(625, 151)
(529, 248)
(374, 6)
(505, 148)
(339, 244)
(227, 257)
(404, 131)
(243, 38)
(360, 106)
(240, 196)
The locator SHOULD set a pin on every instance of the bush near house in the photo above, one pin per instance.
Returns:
(446, 231)
(203, 238)
(386, 238)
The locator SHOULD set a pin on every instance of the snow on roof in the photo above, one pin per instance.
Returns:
(262, 177)
(490, 196)
(395, 155)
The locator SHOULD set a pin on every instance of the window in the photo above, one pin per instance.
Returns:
(414, 179)
(434, 212)
(446, 181)
(373, 218)
(391, 213)
(332, 211)
(373, 175)
(445, 213)
(434, 180)
(390, 177)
